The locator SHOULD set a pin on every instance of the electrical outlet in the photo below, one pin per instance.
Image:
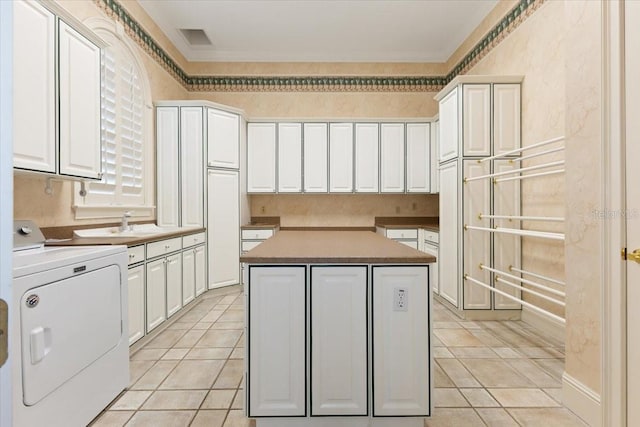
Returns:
(261, 209)
(414, 206)
(400, 299)
(397, 209)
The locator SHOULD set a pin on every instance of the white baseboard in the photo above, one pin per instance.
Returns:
(581, 400)
(543, 323)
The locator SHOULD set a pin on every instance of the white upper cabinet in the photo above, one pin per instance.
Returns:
(418, 158)
(79, 114)
(449, 126)
(392, 168)
(315, 157)
(191, 160)
(341, 157)
(34, 87)
(367, 157)
(289, 157)
(223, 140)
(435, 154)
(261, 158)
(476, 123)
(167, 141)
(506, 117)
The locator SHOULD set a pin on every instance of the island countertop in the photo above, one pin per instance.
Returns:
(340, 247)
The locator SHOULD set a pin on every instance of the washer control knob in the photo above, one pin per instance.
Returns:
(25, 230)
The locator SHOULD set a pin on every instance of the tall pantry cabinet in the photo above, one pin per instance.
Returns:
(479, 117)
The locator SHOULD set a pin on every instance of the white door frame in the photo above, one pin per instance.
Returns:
(613, 339)
(6, 188)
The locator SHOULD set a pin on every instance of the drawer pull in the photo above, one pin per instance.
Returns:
(167, 246)
(131, 256)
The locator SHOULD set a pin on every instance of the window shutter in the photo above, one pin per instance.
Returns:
(131, 107)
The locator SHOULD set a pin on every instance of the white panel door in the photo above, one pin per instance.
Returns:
(506, 117)
(449, 233)
(261, 158)
(188, 276)
(476, 119)
(223, 232)
(435, 154)
(341, 157)
(449, 127)
(135, 285)
(476, 198)
(167, 119)
(79, 114)
(200, 269)
(339, 344)
(223, 139)
(34, 87)
(506, 247)
(392, 158)
(401, 361)
(174, 284)
(315, 155)
(418, 158)
(367, 164)
(276, 341)
(191, 160)
(290, 157)
(156, 294)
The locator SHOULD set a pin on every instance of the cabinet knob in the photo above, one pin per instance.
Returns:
(167, 246)
(131, 256)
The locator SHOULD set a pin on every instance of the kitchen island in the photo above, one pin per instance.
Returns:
(338, 331)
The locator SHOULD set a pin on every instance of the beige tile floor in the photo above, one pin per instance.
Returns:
(485, 373)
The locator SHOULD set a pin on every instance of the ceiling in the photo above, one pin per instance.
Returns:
(320, 30)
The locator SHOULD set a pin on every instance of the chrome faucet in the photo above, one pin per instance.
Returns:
(124, 225)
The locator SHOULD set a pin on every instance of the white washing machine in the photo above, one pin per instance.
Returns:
(68, 330)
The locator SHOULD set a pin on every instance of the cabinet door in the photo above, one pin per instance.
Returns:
(401, 361)
(261, 158)
(34, 87)
(449, 127)
(392, 158)
(367, 158)
(476, 119)
(277, 345)
(79, 88)
(223, 232)
(188, 276)
(223, 139)
(418, 158)
(289, 157)
(315, 157)
(167, 166)
(339, 344)
(136, 303)
(506, 117)
(174, 284)
(435, 154)
(200, 269)
(191, 160)
(476, 244)
(156, 294)
(449, 233)
(341, 157)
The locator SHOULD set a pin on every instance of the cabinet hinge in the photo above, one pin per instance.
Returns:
(623, 254)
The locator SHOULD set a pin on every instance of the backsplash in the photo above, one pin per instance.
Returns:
(337, 210)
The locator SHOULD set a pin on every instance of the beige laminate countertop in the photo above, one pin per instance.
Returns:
(128, 241)
(310, 247)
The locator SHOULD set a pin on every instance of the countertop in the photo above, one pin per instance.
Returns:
(427, 223)
(310, 247)
(128, 241)
(260, 222)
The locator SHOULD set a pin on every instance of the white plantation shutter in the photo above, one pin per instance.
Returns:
(108, 125)
(131, 107)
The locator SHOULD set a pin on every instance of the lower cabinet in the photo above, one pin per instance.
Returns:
(174, 284)
(201, 269)
(136, 303)
(193, 273)
(156, 294)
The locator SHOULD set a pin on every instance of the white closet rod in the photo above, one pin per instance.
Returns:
(510, 172)
(524, 218)
(518, 300)
(531, 291)
(525, 233)
(531, 175)
(519, 150)
(525, 281)
(538, 276)
(542, 153)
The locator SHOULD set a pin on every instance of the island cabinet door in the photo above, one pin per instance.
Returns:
(277, 347)
(339, 340)
(401, 325)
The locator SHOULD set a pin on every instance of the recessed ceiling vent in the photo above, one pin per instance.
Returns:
(196, 37)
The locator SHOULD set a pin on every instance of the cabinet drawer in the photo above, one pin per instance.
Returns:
(431, 236)
(136, 254)
(257, 233)
(163, 247)
(193, 239)
(402, 233)
(247, 246)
